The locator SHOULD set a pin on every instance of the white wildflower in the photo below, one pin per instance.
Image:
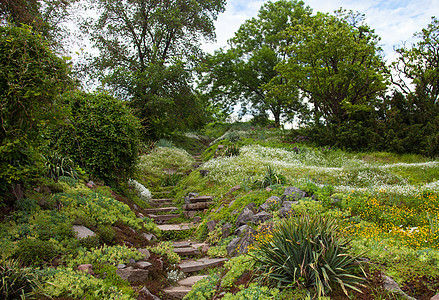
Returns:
(141, 190)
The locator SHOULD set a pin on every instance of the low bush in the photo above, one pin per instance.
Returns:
(36, 252)
(307, 251)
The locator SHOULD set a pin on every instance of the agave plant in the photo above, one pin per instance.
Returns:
(307, 251)
(271, 177)
(58, 165)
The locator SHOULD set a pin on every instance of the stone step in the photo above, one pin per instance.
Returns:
(176, 227)
(189, 266)
(162, 192)
(197, 206)
(177, 292)
(198, 199)
(187, 251)
(190, 281)
(164, 217)
(160, 209)
(161, 202)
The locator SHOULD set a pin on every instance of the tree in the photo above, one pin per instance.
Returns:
(336, 63)
(44, 16)
(31, 78)
(139, 38)
(245, 73)
(413, 110)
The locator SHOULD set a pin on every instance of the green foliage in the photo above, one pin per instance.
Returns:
(235, 268)
(166, 248)
(57, 166)
(102, 136)
(31, 78)
(17, 282)
(253, 292)
(231, 150)
(104, 255)
(79, 285)
(36, 252)
(271, 177)
(204, 289)
(164, 143)
(307, 251)
(172, 179)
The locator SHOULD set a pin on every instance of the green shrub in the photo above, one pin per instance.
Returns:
(307, 251)
(105, 254)
(253, 292)
(106, 234)
(231, 150)
(166, 248)
(236, 267)
(17, 282)
(31, 77)
(164, 143)
(79, 285)
(204, 289)
(102, 136)
(36, 252)
(57, 165)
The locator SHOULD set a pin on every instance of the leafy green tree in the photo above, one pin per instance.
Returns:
(413, 111)
(142, 40)
(245, 73)
(101, 135)
(336, 63)
(31, 78)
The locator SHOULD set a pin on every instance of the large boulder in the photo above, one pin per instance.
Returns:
(82, 231)
(270, 204)
(131, 274)
(240, 245)
(261, 217)
(225, 230)
(293, 194)
(244, 217)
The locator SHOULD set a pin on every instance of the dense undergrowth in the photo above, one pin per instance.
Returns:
(384, 209)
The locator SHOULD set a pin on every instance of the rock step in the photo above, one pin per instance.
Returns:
(177, 292)
(190, 281)
(160, 209)
(201, 264)
(161, 202)
(164, 217)
(187, 251)
(176, 227)
(161, 192)
(197, 206)
(201, 199)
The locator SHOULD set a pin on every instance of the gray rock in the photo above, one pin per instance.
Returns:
(241, 230)
(219, 209)
(252, 207)
(211, 225)
(233, 246)
(197, 219)
(244, 217)
(82, 231)
(132, 261)
(146, 293)
(285, 212)
(240, 245)
(149, 236)
(261, 217)
(289, 204)
(121, 266)
(293, 193)
(132, 275)
(226, 230)
(231, 203)
(270, 203)
(204, 172)
(86, 268)
(390, 285)
(143, 265)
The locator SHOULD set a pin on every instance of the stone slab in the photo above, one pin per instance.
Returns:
(201, 264)
(197, 206)
(175, 227)
(190, 281)
(165, 217)
(181, 244)
(177, 292)
(187, 251)
(161, 209)
(82, 231)
(197, 199)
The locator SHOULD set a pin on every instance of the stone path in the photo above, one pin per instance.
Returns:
(193, 254)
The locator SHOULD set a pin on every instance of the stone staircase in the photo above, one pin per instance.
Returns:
(193, 254)
(191, 265)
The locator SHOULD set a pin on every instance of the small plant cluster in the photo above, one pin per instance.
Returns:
(143, 193)
(165, 248)
(307, 251)
(271, 177)
(17, 282)
(105, 254)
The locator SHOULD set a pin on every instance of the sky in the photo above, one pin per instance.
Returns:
(395, 21)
